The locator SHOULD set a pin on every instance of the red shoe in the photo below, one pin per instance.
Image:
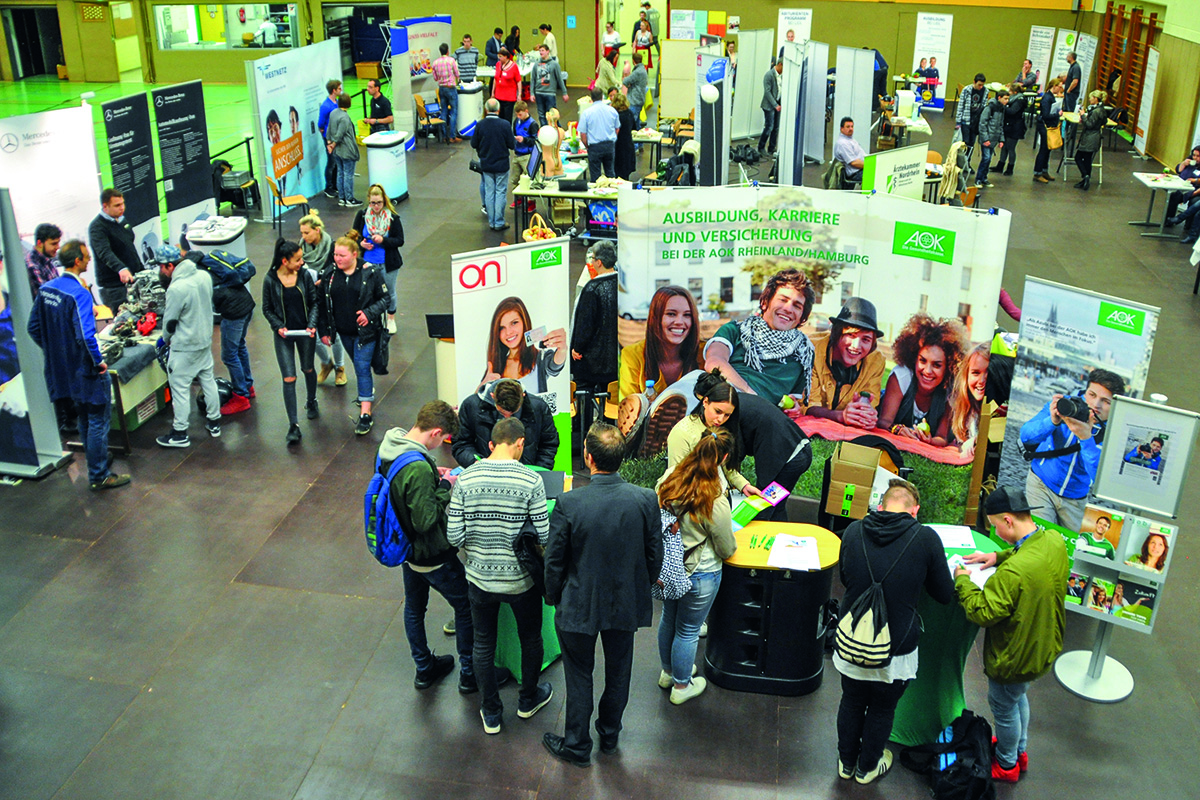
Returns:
(999, 773)
(531, 206)
(253, 394)
(236, 404)
(1023, 762)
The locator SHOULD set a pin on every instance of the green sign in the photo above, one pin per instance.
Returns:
(1122, 318)
(923, 241)
(546, 257)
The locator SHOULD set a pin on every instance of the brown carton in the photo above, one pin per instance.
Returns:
(852, 471)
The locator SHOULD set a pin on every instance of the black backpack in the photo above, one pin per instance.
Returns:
(863, 636)
(959, 764)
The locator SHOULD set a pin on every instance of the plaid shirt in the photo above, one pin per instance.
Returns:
(445, 71)
(41, 269)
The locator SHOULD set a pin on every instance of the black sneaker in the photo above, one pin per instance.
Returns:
(526, 709)
(175, 439)
(314, 410)
(467, 684)
(213, 428)
(364, 425)
(441, 667)
(331, 194)
(293, 434)
(111, 482)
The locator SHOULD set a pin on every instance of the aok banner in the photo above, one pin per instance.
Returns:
(511, 315)
(1078, 349)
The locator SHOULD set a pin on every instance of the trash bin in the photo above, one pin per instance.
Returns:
(386, 163)
(470, 107)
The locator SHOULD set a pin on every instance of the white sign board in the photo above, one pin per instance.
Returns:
(932, 41)
(1064, 44)
(1143, 120)
(900, 171)
(1040, 51)
(794, 21)
(1085, 51)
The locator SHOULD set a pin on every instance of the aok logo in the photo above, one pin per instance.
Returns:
(547, 257)
(922, 241)
(485, 275)
(1121, 318)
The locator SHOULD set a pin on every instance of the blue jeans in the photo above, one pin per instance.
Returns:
(361, 355)
(448, 97)
(679, 627)
(345, 178)
(545, 102)
(770, 133)
(234, 355)
(1010, 711)
(450, 581)
(94, 421)
(493, 189)
(985, 161)
(389, 278)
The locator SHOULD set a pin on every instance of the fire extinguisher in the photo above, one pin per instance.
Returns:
(241, 15)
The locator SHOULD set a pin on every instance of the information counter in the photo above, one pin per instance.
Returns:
(386, 162)
(218, 233)
(470, 108)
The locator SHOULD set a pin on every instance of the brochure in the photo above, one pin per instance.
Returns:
(1100, 532)
(749, 507)
(1076, 586)
(1148, 544)
(979, 575)
(794, 552)
(955, 537)
(1101, 596)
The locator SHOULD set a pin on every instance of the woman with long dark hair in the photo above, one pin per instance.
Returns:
(509, 355)
(513, 41)
(915, 401)
(671, 348)
(717, 409)
(382, 237)
(289, 301)
(692, 490)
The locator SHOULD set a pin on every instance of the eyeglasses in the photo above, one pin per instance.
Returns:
(376, 203)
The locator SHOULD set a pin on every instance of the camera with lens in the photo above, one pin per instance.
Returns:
(1074, 408)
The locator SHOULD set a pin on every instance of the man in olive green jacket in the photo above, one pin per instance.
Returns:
(1021, 606)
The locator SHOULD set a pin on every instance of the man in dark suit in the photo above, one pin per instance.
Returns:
(604, 552)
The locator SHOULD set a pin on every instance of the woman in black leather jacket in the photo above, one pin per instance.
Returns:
(289, 301)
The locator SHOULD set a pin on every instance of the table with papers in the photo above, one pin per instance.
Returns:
(1159, 182)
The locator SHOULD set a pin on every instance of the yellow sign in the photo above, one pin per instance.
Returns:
(287, 154)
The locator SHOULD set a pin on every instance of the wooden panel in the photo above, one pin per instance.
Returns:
(1174, 112)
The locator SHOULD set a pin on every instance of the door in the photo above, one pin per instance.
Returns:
(34, 40)
(529, 14)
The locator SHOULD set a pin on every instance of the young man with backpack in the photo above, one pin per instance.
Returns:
(886, 559)
(1021, 608)
(232, 300)
(418, 501)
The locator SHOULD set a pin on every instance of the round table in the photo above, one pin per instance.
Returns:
(935, 698)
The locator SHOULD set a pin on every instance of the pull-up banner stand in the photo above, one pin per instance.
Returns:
(932, 41)
(131, 154)
(852, 94)
(183, 147)
(755, 51)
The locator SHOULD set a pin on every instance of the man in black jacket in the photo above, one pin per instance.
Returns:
(594, 348)
(604, 552)
(905, 556)
(233, 301)
(492, 140)
(495, 401)
(116, 256)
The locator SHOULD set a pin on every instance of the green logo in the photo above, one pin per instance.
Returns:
(923, 241)
(546, 257)
(1120, 318)
(890, 183)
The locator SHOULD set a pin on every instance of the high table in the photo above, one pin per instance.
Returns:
(1159, 182)
(935, 698)
(766, 630)
(386, 164)
(552, 192)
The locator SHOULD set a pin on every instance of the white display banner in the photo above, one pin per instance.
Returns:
(900, 172)
(1143, 120)
(754, 52)
(1040, 51)
(1064, 44)
(793, 95)
(425, 35)
(854, 90)
(286, 92)
(1085, 51)
(403, 109)
(794, 25)
(683, 24)
(934, 32)
(903, 256)
(511, 316)
(817, 80)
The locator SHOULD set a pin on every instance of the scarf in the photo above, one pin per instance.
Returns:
(763, 343)
(378, 222)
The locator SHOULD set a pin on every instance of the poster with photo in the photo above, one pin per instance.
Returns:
(792, 25)
(932, 41)
(511, 316)
(1133, 601)
(1100, 534)
(1146, 466)
(1100, 595)
(1077, 351)
(1148, 545)
(1076, 588)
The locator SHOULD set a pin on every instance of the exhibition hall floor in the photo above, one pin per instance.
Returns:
(217, 630)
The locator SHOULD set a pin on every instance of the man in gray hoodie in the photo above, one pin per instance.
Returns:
(547, 82)
(188, 328)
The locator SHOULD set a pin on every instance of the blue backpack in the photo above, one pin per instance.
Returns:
(228, 269)
(385, 537)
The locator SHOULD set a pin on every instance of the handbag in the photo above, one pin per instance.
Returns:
(475, 166)
(1054, 140)
(530, 555)
(673, 580)
(379, 359)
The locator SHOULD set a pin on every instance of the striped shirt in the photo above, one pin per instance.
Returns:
(445, 71)
(490, 503)
(468, 63)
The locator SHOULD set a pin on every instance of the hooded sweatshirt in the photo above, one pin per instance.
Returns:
(923, 564)
(477, 415)
(188, 318)
(419, 499)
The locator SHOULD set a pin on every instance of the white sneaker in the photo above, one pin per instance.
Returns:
(704, 630)
(881, 769)
(693, 689)
(666, 681)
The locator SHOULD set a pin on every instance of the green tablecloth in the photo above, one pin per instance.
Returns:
(935, 698)
(508, 644)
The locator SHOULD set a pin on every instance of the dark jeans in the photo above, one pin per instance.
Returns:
(235, 356)
(1190, 217)
(94, 421)
(602, 155)
(485, 613)
(1008, 153)
(1083, 160)
(545, 102)
(114, 296)
(1042, 162)
(985, 162)
(579, 663)
(864, 720)
(330, 173)
(450, 581)
(770, 132)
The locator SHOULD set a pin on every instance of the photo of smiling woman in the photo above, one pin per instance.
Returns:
(511, 354)
(915, 401)
(966, 403)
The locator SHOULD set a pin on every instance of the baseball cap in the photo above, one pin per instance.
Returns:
(167, 254)
(1005, 500)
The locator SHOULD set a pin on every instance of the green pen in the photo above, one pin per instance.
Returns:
(753, 537)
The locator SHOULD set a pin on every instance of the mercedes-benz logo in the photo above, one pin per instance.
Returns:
(158, 101)
(9, 143)
(108, 115)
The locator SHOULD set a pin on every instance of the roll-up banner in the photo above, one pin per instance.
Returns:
(816, 80)
(934, 32)
(1040, 51)
(1143, 120)
(286, 92)
(402, 91)
(793, 25)
(1078, 344)
(1063, 44)
(1085, 51)
(131, 155)
(425, 34)
(511, 316)
(183, 148)
(755, 53)
(793, 96)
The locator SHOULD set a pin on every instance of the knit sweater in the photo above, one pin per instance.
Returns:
(490, 503)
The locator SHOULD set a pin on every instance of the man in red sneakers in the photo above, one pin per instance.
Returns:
(1021, 606)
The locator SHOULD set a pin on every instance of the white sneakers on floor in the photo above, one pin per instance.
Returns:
(693, 689)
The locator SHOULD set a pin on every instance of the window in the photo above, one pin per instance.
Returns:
(696, 287)
(927, 271)
(196, 27)
(660, 283)
(727, 290)
(924, 303)
(755, 292)
(966, 279)
(847, 291)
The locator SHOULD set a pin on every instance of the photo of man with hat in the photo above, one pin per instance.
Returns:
(1021, 608)
(847, 367)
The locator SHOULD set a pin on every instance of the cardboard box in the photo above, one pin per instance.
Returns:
(852, 471)
(368, 69)
(848, 500)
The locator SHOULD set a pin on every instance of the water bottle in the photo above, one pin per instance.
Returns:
(650, 393)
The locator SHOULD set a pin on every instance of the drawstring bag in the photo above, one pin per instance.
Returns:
(673, 581)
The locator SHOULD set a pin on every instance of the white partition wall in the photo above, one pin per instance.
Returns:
(710, 67)
(755, 50)
(790, 169)
(814, 119)
(677, 74)
(852, 97)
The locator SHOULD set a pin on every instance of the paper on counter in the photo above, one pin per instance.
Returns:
(979, 576)
(794, 552)
(955, 536)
